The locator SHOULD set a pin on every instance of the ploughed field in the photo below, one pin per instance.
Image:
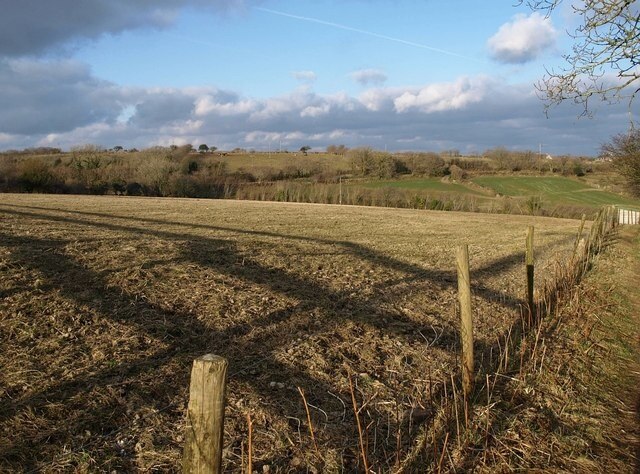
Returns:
(105, 302)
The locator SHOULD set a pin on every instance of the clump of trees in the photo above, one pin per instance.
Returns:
(426, 164)
(529, 161)
(36, 175)
(367, 162)
(156, 171)
(41, 150)
(337, 149)
(624, 151)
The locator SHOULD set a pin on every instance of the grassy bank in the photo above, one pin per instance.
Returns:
(554, 190)
(425, 184)
(574, 406)
(422, 194)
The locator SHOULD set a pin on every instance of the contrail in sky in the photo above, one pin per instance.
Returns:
(365, 32)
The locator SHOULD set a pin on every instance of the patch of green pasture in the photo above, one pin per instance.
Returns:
(555, 190)
(421, 184)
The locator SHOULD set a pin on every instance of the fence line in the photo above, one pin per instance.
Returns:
(203, 448)
(628, 217)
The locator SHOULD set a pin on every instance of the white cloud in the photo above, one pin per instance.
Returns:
(343, 101)
(329, 137)
(262, 137)
(366, 77)
(65, 105)
(444, 96)
(378, 99)
(6, 138)
(522, 39)
(304, 76)
(278, 106)
(410, 139)
(212, 104)
(187, 127)
(315, 111)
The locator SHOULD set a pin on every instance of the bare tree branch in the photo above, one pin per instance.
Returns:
(604, 61)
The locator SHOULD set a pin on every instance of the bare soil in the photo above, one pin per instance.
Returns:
(105, 302)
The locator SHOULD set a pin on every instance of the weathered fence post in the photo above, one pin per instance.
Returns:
(466, 326)
(205, 416)
(613, 217)
(530, 271)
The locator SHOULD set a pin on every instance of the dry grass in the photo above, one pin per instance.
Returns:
(106, 301)
(573, 405)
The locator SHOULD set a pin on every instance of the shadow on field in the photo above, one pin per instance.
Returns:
(159, 376)
(414, 273)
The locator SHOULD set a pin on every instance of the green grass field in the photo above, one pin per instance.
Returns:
(554, 190)
(423, 184)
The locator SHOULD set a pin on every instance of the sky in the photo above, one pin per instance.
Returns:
(281, 74)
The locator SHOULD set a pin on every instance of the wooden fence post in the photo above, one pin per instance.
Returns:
(530, 271)
(613, 216)
(466, 326)
(205, 416)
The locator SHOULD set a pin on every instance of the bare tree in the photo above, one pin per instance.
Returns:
(606, 44)
(624, 150)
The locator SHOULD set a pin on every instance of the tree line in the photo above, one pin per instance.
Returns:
(181, 172)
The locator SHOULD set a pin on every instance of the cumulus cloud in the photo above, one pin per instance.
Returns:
(289, 105)
(444, 96)
(223, 105)
(315, 110)
(522, 39)
(30, 27)
(6, 138)
(304, 76)
(46, 97)
(62, 104)
(161, 107)
(380, 98)
(366, 77)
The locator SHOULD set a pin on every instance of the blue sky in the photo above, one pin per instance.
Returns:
(420, 75)
(232, 50)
